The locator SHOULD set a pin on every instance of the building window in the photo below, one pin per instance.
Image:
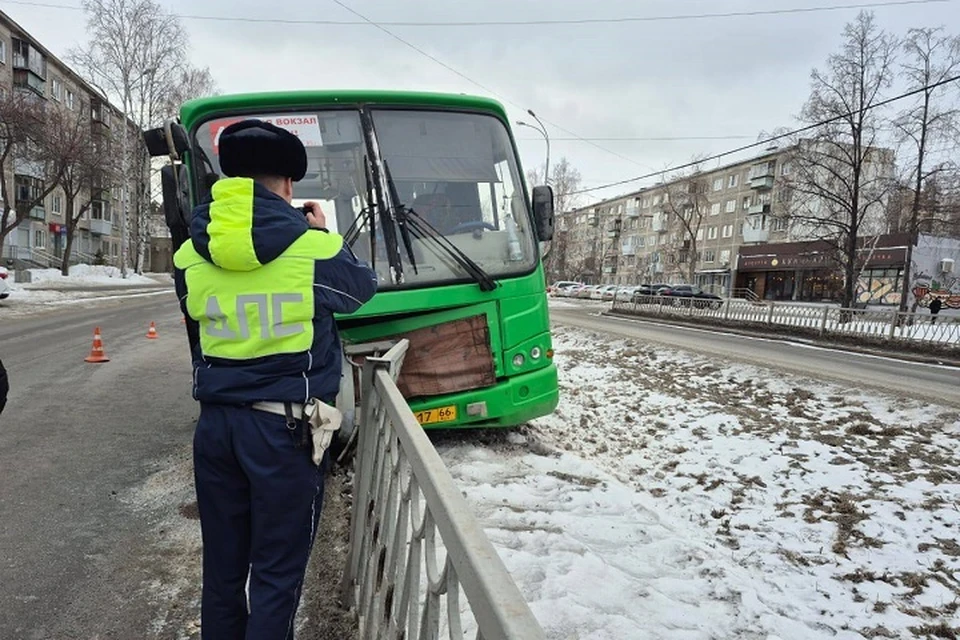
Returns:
(718, 184)
(725, 256)
(39, 239)
(666, 197)
(711, 233)
(71, 99)
(3, 52)
(733, 180)
(57, 205)
(646, 202)
(727, 230)
(731, 206)
(709, 255)
(746, 203)
(780, 224)
(715, 209)
(56, 89)
(99, 210)
(786, 168)
(699, 234)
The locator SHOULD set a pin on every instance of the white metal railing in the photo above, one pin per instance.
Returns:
(746, 294)
(414, 543)
(891, 325)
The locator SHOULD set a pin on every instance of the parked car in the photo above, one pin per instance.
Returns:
(601, 291)
(586, 292)
(681, 294)
(557, 287)
(4, 283)
(646, 292)
(609, 293)
(625, 294)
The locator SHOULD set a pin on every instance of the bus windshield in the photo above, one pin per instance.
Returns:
(451, 174)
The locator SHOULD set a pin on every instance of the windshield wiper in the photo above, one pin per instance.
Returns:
(387, 217)
(366, 218)
(401, 218)
(407, 220)
(427, 232)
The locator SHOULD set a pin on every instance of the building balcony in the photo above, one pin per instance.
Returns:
(755, 234)
(613, 233)
(656, 267)
(101, 227)
(658, 223)
(628, 249)
(762, 170)
(36, 213)
(761, 182)
(758, 209)
(633, 211)
(610, 269)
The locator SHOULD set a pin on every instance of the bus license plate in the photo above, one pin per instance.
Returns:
(440, 414)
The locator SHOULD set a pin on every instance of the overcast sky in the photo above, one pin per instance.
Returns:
(731, 76)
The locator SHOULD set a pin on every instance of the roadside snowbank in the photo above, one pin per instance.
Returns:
(700, 499)
(85, 275)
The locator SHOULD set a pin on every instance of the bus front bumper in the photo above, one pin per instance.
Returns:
(506, 404)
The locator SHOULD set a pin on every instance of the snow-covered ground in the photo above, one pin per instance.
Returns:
(88, 276)
(48, 289)
(676, 496)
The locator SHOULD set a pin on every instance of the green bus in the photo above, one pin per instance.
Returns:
(427, 188)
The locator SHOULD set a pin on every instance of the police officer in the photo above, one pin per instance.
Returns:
(262, 281)
(4, 387)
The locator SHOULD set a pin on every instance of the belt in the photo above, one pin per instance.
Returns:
(279, 408)
(323, 419)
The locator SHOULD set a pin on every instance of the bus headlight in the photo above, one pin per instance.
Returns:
(535, 353)
(518, 360)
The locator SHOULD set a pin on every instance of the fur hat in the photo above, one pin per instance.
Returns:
(256, 148)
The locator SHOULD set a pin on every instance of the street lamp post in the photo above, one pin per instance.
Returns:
(546, 137)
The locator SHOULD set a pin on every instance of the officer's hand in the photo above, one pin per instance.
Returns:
(315, 217)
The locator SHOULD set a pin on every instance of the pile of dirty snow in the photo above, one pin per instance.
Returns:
(85, 275)
(689, 497)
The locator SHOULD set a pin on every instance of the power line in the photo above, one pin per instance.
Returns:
(528, 23)
(474, 82)
(643, 139)
(767, 141)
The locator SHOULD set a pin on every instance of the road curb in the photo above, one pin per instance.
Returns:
(942, 360)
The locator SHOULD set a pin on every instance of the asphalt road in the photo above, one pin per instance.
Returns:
(933, 383)
(78, 444)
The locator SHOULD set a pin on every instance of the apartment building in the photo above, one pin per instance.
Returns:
(690, 229)
(26, 66)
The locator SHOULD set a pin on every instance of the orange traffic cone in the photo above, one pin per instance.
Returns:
(152, 331)
(96, 353)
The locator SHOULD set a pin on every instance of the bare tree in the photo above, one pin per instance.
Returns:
(687, 205)
(931, 57)
(565, 180)
(841, 179)
(189, 83)
(25, 147)
(138, 51)
(86, 168)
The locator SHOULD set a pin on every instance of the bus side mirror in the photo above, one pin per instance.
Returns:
(176, 203)
(543, 212)
(170, 139)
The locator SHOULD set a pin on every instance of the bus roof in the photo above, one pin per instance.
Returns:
(193, 110)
